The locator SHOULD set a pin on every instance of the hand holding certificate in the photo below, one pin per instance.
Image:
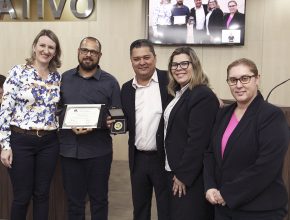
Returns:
(83, 116)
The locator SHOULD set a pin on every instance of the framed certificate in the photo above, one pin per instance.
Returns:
(83, 116)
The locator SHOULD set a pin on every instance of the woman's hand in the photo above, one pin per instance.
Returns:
(7, 158)
(214, 197)
(178, 187)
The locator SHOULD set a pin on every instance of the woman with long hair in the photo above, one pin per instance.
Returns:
(28, 126)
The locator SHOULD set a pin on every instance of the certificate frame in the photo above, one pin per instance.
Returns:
(83, 116)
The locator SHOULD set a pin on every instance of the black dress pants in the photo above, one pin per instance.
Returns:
(193, 205)
(87, 176)
(148, 173)
(33, 166)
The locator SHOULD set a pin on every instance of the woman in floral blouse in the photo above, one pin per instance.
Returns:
(28, 126)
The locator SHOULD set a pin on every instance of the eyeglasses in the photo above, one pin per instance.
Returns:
(85, 51)
(183, 65)
(231, 6)
(243, 79)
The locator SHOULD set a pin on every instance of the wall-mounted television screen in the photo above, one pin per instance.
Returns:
(196, 22)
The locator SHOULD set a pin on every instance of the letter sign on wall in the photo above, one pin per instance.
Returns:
(47, 10)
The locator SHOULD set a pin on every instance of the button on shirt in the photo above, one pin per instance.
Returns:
(29, 102)
(101, 88)
(166, 118)
(148, 110)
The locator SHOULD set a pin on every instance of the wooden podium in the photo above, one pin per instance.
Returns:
(286, 169)
(57, 201)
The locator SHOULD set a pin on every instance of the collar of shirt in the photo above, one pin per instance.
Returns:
(97, 74)
(182, 90)
(154, 78)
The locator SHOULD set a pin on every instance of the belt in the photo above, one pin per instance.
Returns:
(147, 152)
(38, 133)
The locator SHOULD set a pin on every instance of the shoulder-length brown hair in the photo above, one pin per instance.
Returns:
(55, 61)
(198, 77)
(245, 62)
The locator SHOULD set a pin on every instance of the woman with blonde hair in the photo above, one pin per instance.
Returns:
(28, 126)
(184, 134)
(214, 22)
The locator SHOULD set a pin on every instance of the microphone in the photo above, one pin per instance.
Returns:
(275, 88)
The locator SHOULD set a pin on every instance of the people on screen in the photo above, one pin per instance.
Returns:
(179, 19)
(197, 18)
(214, 22)
(234, 20)
(162, 22)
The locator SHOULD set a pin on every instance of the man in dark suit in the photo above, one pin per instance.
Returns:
(143, 100)
(197, 15)
(179, 18)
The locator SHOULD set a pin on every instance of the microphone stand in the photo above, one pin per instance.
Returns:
(275, 88)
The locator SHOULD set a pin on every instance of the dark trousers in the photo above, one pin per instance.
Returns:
(178, 34)
(87, 176)
(225, 213)
(199, 36)
(34, 161)
(193, 205)
(148, 173)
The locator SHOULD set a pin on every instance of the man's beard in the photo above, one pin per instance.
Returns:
(180, 3)
(87, 67)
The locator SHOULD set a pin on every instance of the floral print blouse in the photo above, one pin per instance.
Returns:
(29, 102)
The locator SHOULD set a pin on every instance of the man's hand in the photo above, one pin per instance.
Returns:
(178, 187)
(80, 131)
(109, 122)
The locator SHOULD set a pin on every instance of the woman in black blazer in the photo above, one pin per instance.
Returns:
(188, 121)
(234, 20)
(243, 166)
(214, 22)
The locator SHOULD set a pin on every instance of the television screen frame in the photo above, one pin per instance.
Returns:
(168, 27)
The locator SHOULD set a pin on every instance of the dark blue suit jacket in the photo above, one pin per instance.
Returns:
(249, 175)
(193, 14)
(128, 104)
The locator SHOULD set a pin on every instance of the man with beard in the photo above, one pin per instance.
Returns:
(86, 154)
(179, 18)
